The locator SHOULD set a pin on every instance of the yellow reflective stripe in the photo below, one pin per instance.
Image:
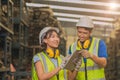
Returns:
(95, 50)
(64, 71)
(95, 46)
(74, 47)
(90, 68)
(101, 79)
(65, 74)
(44, 61)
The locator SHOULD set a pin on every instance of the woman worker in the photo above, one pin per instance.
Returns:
(48, 64)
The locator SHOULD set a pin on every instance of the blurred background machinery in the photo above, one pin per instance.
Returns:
(6, 33)
(19, 31)
(113, 44)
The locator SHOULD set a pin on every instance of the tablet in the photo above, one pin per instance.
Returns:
(71, 63)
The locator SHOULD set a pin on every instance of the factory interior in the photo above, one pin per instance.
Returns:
(22, 20)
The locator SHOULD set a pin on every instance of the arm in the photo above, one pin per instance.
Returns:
(42, 75)
(12, 69)
(101, 61)
(102, 55)
(72, 75)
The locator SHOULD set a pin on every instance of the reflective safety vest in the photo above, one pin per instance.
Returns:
(94, 72)
(48, 66)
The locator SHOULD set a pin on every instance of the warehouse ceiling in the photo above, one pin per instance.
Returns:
(103, 12)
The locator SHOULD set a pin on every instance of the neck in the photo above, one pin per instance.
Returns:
(51, 48)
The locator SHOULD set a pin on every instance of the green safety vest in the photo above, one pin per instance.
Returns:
(94, 72)
(48, 66)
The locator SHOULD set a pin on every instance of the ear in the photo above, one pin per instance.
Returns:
(45, 40)
(90, 32)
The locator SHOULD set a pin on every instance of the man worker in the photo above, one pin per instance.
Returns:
(94, 51)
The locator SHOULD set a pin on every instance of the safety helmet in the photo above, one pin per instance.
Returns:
(44, 31)
(85, 22)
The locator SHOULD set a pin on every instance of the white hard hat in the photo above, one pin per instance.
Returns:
(43, 33)
(85, 22)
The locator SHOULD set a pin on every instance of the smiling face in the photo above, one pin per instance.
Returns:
(83, 34)
(52, 40)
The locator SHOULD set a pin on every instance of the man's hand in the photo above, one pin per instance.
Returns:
(86, 54)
